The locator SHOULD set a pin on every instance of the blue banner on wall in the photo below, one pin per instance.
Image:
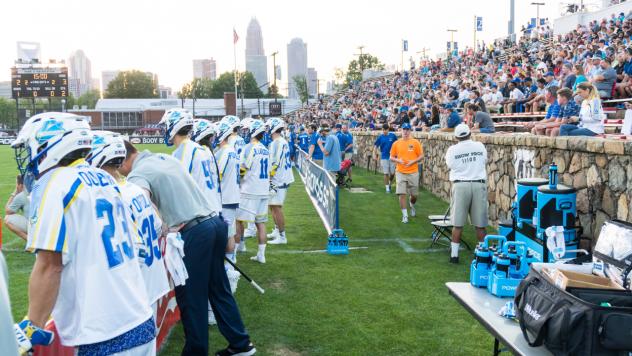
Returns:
(479, 24)
(322, 190)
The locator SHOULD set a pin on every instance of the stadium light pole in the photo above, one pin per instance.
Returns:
(451, 41)
(537, 18)
(273, 55)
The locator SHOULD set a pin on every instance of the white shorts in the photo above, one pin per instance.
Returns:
(277, 198)
(388, 166)
(18, 221)
(229, 216)
(253, 210)
(148, 349)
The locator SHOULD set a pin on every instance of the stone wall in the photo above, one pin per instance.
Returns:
(600, 169)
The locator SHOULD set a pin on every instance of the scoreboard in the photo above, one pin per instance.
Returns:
(34, 82)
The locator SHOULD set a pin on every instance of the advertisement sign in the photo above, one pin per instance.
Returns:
(322, 190)
(147, 140)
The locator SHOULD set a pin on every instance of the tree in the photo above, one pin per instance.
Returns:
(273, 92)
(89, 99)
(300, 82)
(8, 116)
(184, 93)
(132, 85)
(365, 61)
(226, 84)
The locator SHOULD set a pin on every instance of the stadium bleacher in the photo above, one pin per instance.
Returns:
(417, 95)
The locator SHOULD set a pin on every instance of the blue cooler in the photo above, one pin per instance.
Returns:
(557, 206)
(526, 198)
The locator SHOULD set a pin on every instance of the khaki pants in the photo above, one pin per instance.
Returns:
(407, 183)
(469, 198)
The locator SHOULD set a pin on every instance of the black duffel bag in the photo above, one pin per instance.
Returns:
(574, 322)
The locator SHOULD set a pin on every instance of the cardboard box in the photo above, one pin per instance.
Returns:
(564, 279)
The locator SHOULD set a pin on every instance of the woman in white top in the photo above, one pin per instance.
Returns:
(591, 114)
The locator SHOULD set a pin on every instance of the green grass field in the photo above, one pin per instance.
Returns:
(380, 300)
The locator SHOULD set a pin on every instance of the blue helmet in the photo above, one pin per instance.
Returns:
(174, 120)
(47, 138)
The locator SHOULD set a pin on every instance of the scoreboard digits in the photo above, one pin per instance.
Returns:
(42, 82)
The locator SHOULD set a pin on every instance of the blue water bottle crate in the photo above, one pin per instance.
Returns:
(338, 243)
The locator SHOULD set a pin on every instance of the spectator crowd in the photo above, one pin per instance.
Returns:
(565, 77)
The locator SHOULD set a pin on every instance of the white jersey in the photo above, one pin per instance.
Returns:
(256, 181)
(238, 144)
(228, 163)
(149, 227)
(200, 163)
(280, 163)
(78, 211)
(467, 161)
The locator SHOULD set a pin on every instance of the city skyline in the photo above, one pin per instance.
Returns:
(256, 60)
(134, 43)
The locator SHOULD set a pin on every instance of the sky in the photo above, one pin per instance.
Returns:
(165, 36)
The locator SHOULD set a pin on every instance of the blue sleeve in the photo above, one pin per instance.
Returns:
(378, 141)
(313, 140)
(329, 143)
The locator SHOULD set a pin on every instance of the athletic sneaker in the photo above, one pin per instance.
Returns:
(413, 212)
(388, 189)
(241, 247)
(258, 258)
(405, 219)
(233, 351)
(251, 231)
(233, 279)
(454, 260)
(274, 234)
(281, 240)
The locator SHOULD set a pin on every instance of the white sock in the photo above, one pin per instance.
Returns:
(262, 250)
(388, 187)
(282, 234)
(242, 244)
(231, 256)
(454, 249)
(404, 213)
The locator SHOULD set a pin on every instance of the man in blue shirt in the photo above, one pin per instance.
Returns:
(453, 119)
(303, 140)
(292, 142)
(383, 144)
(347, 148)
(330, 147)
(552, 113)
(315, 152)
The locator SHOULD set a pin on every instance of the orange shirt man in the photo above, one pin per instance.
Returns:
(406, 153)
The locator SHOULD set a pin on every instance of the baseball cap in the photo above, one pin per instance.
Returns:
(596, 56)
(405, 126)
(324, 127)
(338, 126)
(549, 74)
(461, 130)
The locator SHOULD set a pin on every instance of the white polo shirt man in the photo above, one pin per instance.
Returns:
(467, 163)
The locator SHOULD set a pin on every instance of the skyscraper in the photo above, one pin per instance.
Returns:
(312, 82)
(256, 60)
(205, 68)
(79, 73)
(106, 77)
(296, 64)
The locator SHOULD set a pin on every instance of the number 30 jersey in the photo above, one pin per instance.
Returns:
(256, 181)
(78, 212)
(201, 165)
(149, 226)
